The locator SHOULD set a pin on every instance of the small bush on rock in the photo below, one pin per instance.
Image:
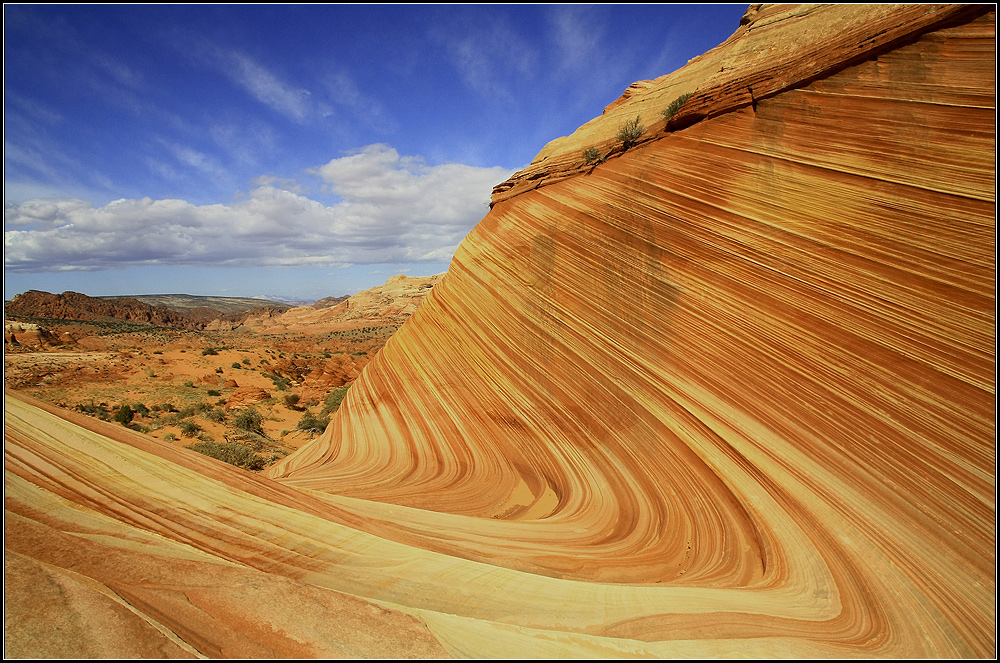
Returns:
(630, 132)
(675, 106)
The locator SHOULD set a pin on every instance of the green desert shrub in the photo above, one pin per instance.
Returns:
(190, 410)
(313, 424)
(92, 409)
(630, 132)
(675, 106)
(124, 415)
(233, 453)
(334, 399)
(216, 415)
(249, 420)
(189, 428)
(592, 155)
(280, 382)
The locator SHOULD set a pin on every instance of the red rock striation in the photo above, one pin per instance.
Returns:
(730, 392)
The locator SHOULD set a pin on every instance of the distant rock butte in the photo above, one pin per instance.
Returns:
(327, 302)
(389, 304)
(728, 393)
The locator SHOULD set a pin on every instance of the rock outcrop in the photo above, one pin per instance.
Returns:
(749, 361)
(729, 392)
(327, 302)
(26, 334)
(246, 397)
(385, 305)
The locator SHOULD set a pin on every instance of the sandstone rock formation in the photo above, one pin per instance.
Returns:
(327, 302)
(730, 392)
(389, 304)
(246, 397)
(26, 334)
(77, 306)
(748, 363)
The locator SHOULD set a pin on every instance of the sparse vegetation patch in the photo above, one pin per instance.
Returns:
(334, 399)
(234, 453)
(630, 131)
(675, 106)
(313, 424)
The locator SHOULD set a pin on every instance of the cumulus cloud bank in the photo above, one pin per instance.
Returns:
(392, 209)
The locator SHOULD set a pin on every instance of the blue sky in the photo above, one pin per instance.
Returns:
(295, 151)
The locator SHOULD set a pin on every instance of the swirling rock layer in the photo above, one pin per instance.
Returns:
(752, 359)
(728, 393)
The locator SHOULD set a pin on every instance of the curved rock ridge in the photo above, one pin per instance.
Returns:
(776, 48)
(752, 359)
(731, 393)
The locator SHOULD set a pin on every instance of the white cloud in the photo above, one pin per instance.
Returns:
(392, 209)
(200, 161)
(346, 94)
(489, 55)
(266, 87)
(574, 44)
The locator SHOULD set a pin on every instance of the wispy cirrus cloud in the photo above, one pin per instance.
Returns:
(392, 209)
(205, 164)
(265, 86)
(487, 55)
(575, 40)
(579, 39)
(365, 110)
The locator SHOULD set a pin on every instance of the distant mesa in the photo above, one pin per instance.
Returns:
(388, 304)
(189, 303)
(190, 312)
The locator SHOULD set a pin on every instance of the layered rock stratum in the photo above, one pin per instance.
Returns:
(729, 392)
